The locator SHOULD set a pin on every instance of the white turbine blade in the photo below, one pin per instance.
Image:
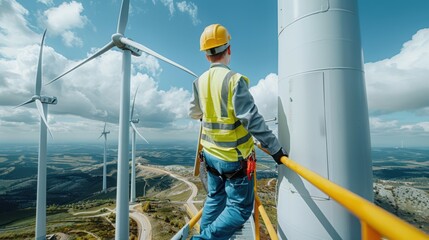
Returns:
(24, 103)
(134, 100)
(100, 135)
(101, 51)
(104, 129)
(153, 53)
(39, 68)
(39, 106)
(123, 17)
(135, 129)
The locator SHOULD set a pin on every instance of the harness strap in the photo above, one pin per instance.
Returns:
(239, 173)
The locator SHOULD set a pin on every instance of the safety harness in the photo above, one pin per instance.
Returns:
(247, 167)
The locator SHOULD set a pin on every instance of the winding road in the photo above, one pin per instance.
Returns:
(190, 200)
(143, 223)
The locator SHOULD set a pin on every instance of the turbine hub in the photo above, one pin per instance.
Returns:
(135, 120)
(48, 99)
(116, 38)
(35, 97)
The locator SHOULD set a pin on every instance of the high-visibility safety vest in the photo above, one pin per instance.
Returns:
(223, 135)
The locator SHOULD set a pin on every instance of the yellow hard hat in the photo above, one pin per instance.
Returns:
(214, 39)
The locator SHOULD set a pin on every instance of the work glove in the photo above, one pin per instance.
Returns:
(278, 155)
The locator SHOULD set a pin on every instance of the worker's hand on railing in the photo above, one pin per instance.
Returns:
(278, 155)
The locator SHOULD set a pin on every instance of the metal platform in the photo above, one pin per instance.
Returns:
(247, 232)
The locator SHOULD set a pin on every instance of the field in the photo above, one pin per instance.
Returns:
(78, 208)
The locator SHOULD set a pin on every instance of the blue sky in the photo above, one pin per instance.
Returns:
(395, 40)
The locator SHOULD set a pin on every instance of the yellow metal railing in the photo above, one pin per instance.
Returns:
(191, 214)
(375, 221)
(260, 208)
(184, 232)
(194, 220)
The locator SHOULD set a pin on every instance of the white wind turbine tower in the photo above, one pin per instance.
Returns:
(128, 47)
(42, 106)
(104, 133)
(134, 121)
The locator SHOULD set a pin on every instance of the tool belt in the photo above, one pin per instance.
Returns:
(247, 166)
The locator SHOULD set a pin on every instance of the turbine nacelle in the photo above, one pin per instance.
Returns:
(134, 51)
(133, 121)
(47, 99)
(36, 98)
(104, 133)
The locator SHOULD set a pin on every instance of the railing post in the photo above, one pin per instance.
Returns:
(191, 214)
(256, 209)
(368, 233)
(264, 215)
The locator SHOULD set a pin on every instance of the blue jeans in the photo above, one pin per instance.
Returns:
(229, 202)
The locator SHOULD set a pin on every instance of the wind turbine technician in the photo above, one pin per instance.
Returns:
(221, 99)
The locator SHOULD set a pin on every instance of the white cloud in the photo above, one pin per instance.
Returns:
(15, 30)
(70, 39)
(183, 6)
(18, 75)
(265, 95)
(90, 95)
(382, 129)
(378, 125)
(401, 83)
(92, 91)
(46, 2)
(87, 96)
(422, 127)
(147, 63)
(400, 86)
(63, 19)
(385, 132)
(169, 4)
(189, 8)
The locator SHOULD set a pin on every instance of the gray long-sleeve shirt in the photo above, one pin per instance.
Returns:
(246, 111)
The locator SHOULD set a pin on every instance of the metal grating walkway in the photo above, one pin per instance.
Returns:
(247, 232)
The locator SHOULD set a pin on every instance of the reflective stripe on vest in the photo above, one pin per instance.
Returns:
(223, 126)
(223, 135)
(227, 144)
(224, 94)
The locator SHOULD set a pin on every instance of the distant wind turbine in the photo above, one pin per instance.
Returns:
(144, 188)
(129, 47)
(104, 156)
(134, 121)
(42, 107)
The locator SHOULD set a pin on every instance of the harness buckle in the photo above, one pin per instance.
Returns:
(251, 165)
